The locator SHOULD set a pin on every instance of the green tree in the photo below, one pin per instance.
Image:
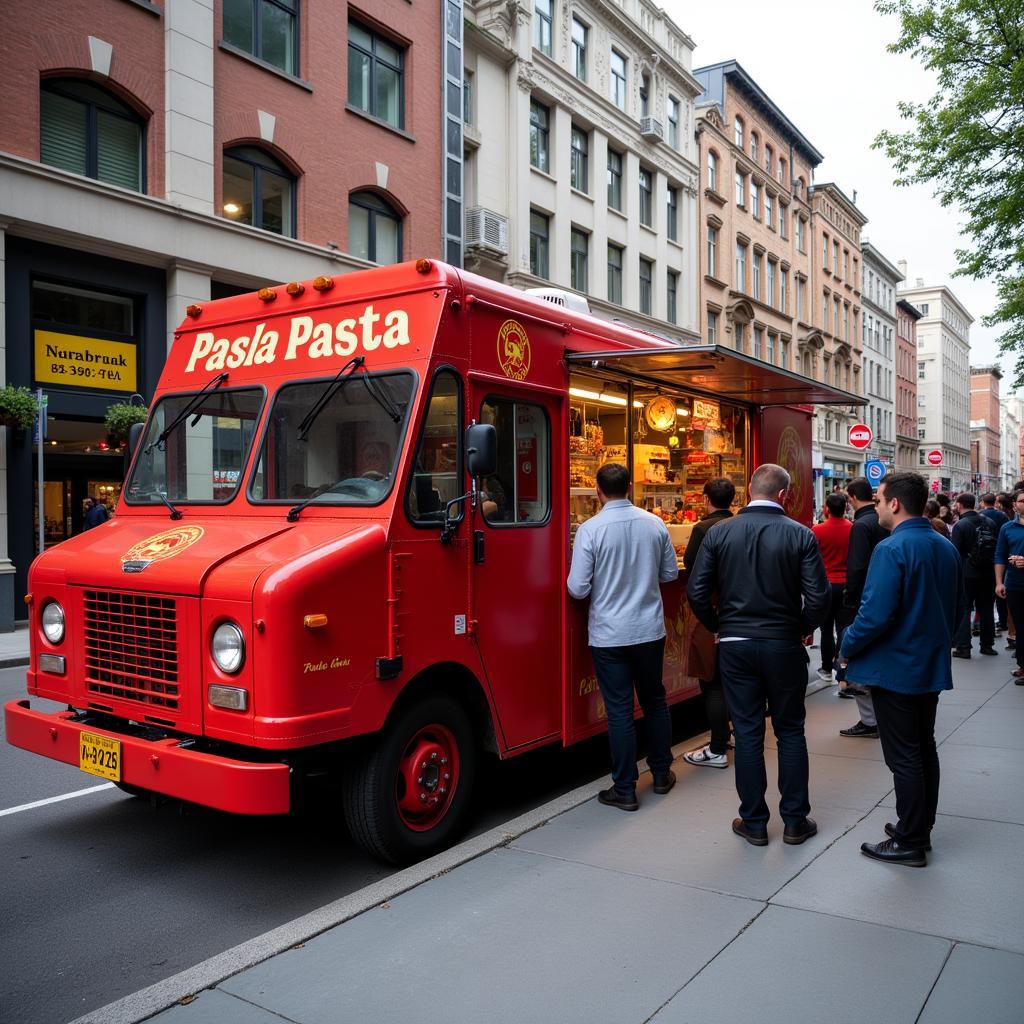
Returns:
(967, 141)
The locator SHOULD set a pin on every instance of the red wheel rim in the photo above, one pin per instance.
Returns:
(428, 775)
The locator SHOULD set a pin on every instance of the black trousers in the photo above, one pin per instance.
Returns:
(906, 727)
(981, 595)
(1015, 606)
(717, 710)
(832, 627)
(754, 671)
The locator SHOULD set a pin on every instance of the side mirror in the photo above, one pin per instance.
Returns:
(134, 436)
(481, 450)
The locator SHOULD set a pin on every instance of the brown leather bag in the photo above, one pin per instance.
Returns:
(703, 651)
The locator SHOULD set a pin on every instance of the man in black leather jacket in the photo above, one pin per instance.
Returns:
(772, 591)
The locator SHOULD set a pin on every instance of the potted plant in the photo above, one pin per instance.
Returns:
(18, 407)
(119, 419)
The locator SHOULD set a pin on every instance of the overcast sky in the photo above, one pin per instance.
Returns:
(825, 65)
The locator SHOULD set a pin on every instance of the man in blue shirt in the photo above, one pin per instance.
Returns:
(619, 559)
(997, 517)
(899, 646)
(1009, 560)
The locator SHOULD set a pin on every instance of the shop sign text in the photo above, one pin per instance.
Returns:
(71, 361)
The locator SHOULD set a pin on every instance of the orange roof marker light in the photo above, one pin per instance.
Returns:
(193, 310)
(323, 284)
(294, 289)
(315, 621)
(266, 294)
(423, 266)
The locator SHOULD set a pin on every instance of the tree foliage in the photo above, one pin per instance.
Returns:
(967, 141)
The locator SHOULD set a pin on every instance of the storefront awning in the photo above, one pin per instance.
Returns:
(715, 370)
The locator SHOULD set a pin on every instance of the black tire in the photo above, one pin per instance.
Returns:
(372, 781)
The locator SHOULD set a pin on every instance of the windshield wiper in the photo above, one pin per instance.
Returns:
(382, 399)
(328, 393)
(175, 513)
(183, 415)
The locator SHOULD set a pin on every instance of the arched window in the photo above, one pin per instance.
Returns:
(782, 172)
(738, 125)
(84, 129)
(374, 228)
(755, 142)
(712, 170)
(258, 190)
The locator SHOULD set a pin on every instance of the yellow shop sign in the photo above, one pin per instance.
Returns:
(72, 361)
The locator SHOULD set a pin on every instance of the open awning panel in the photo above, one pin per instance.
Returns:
(718, 371)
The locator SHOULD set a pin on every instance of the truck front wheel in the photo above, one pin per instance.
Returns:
(407, 796)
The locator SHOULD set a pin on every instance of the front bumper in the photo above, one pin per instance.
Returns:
(163, 765)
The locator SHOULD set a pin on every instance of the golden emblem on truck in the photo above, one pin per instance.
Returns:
(159, 547)
(513, 350)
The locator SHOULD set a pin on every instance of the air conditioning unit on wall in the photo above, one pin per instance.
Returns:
(486, 230)
(650, 128)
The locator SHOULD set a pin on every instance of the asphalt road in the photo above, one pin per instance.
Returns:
(104, 894)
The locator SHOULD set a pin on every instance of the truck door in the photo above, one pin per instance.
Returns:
(518, 562)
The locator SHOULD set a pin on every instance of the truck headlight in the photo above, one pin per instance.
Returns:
(52, 622)
(228, 647)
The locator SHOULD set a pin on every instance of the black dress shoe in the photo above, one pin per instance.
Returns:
(891, 851)
(756, 837)
(988, 650)
(961, 652)
(613, 798)
(664, 781)
(868, 732)
(797, 834)
(890, 831)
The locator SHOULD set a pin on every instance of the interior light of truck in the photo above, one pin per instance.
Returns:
(266, 295)
(193, 310)
(52, 663)
(234, 698)
(227, 648)
(295, 289)
(423, 266)
(52, 622)
(323, 284)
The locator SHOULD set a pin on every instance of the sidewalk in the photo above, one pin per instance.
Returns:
(664, 915)
(14, 647)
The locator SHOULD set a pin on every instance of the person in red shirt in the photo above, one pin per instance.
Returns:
(833, 537)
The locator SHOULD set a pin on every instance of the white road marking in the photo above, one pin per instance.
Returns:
(56, 799)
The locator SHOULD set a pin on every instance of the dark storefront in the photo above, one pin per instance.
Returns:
(90, 331)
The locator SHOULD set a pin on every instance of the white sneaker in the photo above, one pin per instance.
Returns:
(706, 758)
(825, 675)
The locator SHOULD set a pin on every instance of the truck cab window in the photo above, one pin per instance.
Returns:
(437, 468)
(519, 492)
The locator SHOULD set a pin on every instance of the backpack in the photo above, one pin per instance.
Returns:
(983, 546)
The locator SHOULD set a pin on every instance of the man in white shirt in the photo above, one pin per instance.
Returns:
(619, 559)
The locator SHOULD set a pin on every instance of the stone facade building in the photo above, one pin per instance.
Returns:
(155, 154)
(878, 336)
(1011, 425)
(836, 312)
(755, 253)
(943, 384)
(906, 384)
(986, 436)
(580, 160)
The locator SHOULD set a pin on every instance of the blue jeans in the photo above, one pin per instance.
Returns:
(619, 670)
(755, 671)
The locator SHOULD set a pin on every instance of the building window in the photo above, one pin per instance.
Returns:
(824, 252)
(671, 294)
(741, 267)
(712, 327)
(846, 265)
(799, 298)
(741, 337)
(267, 29)
(542, 25)
(645, 92)
(835, 317)
(920, 371)
(835, 257)
(769, 209)
(801, 235)
(713, 171)
(615, 273)
(769, 159)
(769, 285)
(614, 179)
(784, 354)
(672, 213)
(784, 291)
(755, 144)
(618, 79)
(258, 190)
(738, 130)
(578, 246)
(85, 130)
(923, 309)
(755, 199)
(757, 275)
(846, 321)
(375, 76)
(783, 219)
(712, 251)
(467, 97)
(741, 188)
(782, 173)
(539, 141)
(539, 235)
(580, 32)
(758, 340)
(374, 229)
(646, 286)
(672, 116)
(579, 170)
(646, 197)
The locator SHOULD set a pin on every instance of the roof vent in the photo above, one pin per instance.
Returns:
(560, 297)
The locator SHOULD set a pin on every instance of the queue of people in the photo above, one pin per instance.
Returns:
(892, 588)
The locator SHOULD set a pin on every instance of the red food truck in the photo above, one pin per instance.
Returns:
(344, 536)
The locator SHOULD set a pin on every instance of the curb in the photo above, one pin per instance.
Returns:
(147, 1002)
(19, 661)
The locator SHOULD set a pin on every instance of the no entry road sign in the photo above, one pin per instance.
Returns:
(935, 457)
(860, 435)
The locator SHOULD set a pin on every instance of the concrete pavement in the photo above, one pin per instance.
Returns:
(583, 913)
(14, 647)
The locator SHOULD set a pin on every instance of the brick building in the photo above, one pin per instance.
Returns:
(154, 154)
(986, 436)
(906, 384)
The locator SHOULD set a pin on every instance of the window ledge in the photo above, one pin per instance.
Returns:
(380, 122)
(147, 6)
(710, 193)
(617, 212)
(711, 279)
(261, 63)
(583, 195)
(543, 174)
(675, 243)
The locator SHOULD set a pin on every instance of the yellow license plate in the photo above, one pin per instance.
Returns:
(100, 755)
